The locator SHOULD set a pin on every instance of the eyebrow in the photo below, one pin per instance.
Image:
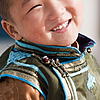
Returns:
(25, 2)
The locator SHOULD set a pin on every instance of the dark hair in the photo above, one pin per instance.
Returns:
(4, 9)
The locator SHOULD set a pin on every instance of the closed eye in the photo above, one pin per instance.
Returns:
(34, 7)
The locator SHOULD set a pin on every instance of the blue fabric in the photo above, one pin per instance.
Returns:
(74, 88)
(79, 72)
(66, 97)
(84, 43)
(21, 55)
(77, 59)
(91, 82)
(46, 52)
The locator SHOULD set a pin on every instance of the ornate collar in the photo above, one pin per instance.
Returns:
(83, 41)
(71, 57)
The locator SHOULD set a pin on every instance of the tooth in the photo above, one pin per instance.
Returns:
(67, 22)
(64, 25)
(60, 27)
(54, 29)
(57, 28)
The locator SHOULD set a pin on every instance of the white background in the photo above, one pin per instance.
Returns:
(91, 24)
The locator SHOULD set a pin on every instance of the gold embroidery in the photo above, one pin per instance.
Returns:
(22, 75)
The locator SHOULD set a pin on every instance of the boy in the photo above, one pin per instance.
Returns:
(50, 60)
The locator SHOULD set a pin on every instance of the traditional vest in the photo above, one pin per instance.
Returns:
(57, 72)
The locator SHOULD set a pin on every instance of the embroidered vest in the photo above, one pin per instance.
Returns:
(58, 73)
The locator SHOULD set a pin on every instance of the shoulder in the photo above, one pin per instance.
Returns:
(7, 89)
(14, 89)
(91, 60)
(23, 66)
(93, 64)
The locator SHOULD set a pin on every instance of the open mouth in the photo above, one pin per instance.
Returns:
(62, 26)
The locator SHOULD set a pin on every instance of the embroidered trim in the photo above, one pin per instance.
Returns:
(68, 88)
(14, 57)
(79, 72)
(74, 88)
(66, 96)
(78, 59)
(91, 82)
(46, 46)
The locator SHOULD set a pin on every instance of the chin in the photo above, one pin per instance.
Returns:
(67, 42)
(64, 44)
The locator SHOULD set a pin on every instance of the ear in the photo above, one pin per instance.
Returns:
(10, 28)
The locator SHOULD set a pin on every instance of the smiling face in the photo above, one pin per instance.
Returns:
(48, 22)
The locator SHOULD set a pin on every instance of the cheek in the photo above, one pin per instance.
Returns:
(79, 12)
(35, 16)
(33, 22)
(33, 34)
(78, 16)
(76, 9)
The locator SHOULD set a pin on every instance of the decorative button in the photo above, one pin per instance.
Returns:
(89, 50)
(45, 59)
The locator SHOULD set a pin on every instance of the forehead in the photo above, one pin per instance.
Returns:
(25, 2)
(20, 2)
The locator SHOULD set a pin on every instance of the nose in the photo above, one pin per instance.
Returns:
(55, 10)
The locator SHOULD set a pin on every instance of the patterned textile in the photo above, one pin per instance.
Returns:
(65, 73)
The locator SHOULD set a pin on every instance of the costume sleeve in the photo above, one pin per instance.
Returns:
(12, 89)
(21, 66)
